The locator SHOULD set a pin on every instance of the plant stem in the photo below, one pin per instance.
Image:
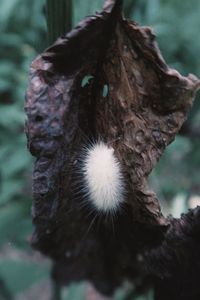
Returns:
(59, 18)
(56, 291)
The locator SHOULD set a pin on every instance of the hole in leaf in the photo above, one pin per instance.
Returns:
(38, 118)
(86, 80)
(105, 91)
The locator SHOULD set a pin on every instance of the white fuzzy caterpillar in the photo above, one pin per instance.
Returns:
(103, 178)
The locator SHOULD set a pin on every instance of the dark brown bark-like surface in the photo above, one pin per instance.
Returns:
(177, 260)
(134, 102)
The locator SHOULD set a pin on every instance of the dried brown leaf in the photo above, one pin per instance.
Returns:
(132, 101)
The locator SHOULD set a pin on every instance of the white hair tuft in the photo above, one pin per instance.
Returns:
(103, 179)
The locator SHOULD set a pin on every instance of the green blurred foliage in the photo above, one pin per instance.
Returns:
(22, 32)
(74, 292)
(85, 8)
(29, 274)
(22, 36)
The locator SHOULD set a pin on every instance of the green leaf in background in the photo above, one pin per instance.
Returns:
(5, 13)
(19, 275)
(74, 291)
(81, 9)
(15, 224)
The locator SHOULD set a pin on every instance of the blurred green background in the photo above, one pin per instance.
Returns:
(24, 274)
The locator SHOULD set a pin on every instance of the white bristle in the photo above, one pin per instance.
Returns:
(103, 178)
